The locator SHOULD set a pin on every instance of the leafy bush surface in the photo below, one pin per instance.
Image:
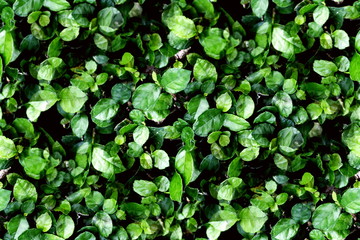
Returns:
(179, 119)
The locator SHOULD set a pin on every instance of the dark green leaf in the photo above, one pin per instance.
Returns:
(209, 121)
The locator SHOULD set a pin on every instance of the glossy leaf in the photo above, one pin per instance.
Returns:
(175, 80)
(72, 99)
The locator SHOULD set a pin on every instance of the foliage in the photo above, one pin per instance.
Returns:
(179, 119)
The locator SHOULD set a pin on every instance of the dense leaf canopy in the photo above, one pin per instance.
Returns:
(178, 119)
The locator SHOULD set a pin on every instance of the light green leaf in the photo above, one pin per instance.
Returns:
(103, 162)
(7, 148)
(103, 222)
(284, 229)
(209, 121)
(161, 159)
(224, 102)
(56, 5)
(145, 96)
(69, 34)
(350, 200)
(101, 42)
(259, 7)
(23, 7)
(144, 188)
(351, 138)
(204, 70)
(282, 41)
(103, 111)
(182, 27)
(7, 47)
(43, 100)
(184, 164)
(235, 123)
(325, 216)
(4, 198)
(141, 134)
(355, 67)
(230, 189)
(245, 106)
(252, 219)
(72, 99)
(24, 190)
(175, 80)
(321, 14)
(44, 222)
(341, 39)
(79, 124)
(324, 68)
(282, 101)
(176, 187)
(51, 68)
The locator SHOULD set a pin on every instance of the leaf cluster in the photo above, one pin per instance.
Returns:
(179, 119)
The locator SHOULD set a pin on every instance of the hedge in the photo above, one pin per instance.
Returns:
(201, 119)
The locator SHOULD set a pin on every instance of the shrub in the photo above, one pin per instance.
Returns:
(179, 119)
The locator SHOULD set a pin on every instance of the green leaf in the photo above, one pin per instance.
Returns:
(4, 198)
(24, 190)
(354, 67)
(351, 138)
(182, 26)
(144, 188)
(252, 219)
(56, 5)
(7, 47)
(184, 164)
(103, 222)
(109, 20)
(103, 162)
(141, 134)
(155, 42)
(17, 225)
(235, 123)
(103, 111)
(350, 200)
(44, 222)
(33, 163)
(176, 187)
(224, 219)
(69, 34)
(321, 14)
(259, 7)
(213, 42)
(289, 140)
(325, 216)
(50, 69)
(43, 100)
(7, 148)
(85, 236)
(175, 80)
(209, 121)
(81, 12)
(224, 102)
(120, 93)
(284, 229)
(23, 7)
(341, 39)
(230, 189)
(72, 99)
(282, 101)
(79, 124)
(301, 213)
(204, 71)
(245, 106)
(161, 159)
(145, 96)
(324, 68)
(282, 41)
